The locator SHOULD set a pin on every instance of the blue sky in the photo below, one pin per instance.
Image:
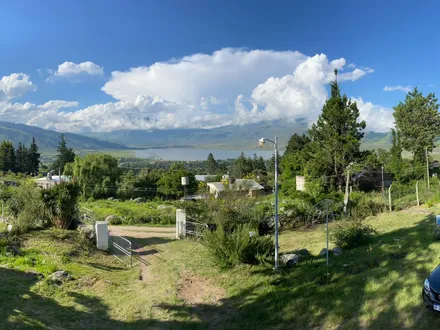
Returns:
(395, 39)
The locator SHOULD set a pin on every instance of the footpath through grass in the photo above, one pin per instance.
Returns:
(374, 287)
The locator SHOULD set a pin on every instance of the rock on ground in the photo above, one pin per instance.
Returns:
(59, 276)
(337, 251)
(289, 260)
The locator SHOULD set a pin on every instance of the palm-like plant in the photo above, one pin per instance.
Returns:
(61, 203)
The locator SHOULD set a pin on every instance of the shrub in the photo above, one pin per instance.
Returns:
(435, 199)
(351, 233)
(60, 202)
(26, 207)
(243, 245)
(363, 205)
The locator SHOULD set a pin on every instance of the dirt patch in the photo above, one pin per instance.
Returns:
(195, 290)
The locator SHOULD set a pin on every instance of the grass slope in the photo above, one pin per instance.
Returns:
(371, 287)
(47, 139)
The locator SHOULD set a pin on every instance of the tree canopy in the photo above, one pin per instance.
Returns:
(96, 174)
(418, 124)
(211, 164)
(65, 155)
(170, 184)
(335, 138)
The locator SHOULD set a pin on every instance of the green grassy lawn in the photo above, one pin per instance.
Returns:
(377, 286)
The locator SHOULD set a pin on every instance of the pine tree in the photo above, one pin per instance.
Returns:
(22, 159)
(211, 164)
(418, 122)
(336, 138)
(65, 155)
(33, 158)
(7, 156)
(242, 166)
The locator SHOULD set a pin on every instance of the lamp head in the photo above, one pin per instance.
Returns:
(261, 142)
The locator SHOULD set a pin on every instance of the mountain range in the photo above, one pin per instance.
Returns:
(48, 140)
(225, 137)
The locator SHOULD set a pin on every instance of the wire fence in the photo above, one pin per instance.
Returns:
(121, 248)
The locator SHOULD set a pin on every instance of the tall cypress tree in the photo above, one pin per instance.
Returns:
(33, 158)
(336, 138)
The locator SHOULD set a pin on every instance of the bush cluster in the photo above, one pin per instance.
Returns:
(352, 233)
(243, 245)
(132, 213)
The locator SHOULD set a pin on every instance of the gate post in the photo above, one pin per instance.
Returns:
(102, 236)
(180, 223)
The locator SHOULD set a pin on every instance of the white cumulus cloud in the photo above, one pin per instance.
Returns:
(401, 88)
(378, 118)
(15, 85)
(229, 86)
(68, 69)
(29, 113)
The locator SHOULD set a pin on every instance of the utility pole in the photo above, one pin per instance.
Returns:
(383, 184)
(276, 203)
(347, 181)
(427, 166)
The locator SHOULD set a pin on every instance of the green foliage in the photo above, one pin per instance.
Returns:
(144, 184)
(170, 184)
(242, 246)
(132, 213)
(362, 205)
(7, 157)
(60, 202)
(211, 164)
(26, 206)
(242, 166)
(336, 139)
(97, 175)
(352, 233)
(65, 155)
(418, 123)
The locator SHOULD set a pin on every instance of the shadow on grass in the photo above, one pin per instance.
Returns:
(370, 287)
(23, 308)
(104, 267)
(145, 242)
(377, 286)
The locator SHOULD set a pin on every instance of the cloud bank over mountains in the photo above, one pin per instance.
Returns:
(229, 86)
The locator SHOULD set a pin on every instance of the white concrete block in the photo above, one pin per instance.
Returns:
(101, 229)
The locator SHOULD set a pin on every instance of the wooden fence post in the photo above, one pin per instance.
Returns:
(417, 193)
(389, 197)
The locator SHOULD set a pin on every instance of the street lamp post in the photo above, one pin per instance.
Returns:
(275, 144)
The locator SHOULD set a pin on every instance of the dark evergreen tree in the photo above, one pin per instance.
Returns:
(21, 159)
(33, 158)
(336, 138)
(211, 164)
(65, 155)
(7, 156)
(242, 166)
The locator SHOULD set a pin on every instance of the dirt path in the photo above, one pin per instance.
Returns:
(146, 245)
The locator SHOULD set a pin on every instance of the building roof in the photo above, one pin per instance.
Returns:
(239, 184)
(55, 178)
